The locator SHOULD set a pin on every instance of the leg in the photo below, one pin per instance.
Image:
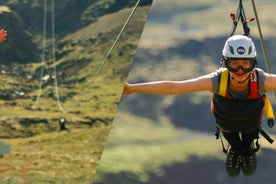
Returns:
(249, 137)
(234, 140)
(249, 159)
(234, 158)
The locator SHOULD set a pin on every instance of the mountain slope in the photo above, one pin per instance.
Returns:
(39, 152)
(78, 57)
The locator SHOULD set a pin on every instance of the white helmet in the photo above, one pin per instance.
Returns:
(239, 46)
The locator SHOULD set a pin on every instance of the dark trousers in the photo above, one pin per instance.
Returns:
(241, 141)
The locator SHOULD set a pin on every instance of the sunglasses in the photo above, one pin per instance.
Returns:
(234, 65)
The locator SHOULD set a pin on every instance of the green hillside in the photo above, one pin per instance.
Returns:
(30, 125)
(78, 57)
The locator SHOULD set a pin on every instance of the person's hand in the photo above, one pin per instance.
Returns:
(3, 35)
(127, 89)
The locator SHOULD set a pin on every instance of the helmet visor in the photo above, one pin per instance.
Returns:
(234, 64)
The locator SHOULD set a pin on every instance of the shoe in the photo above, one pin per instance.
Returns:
(249, 163)
(233, 163)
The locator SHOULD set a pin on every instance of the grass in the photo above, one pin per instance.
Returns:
(50, 156)
(55, 156)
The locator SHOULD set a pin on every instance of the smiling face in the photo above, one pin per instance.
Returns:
(240, 77)
(239, 56)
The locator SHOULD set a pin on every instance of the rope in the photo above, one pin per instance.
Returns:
(54, 51)
(261, 37)
(43, 55)
(54, 58)
(53, 55)
(113, 46)
(115, 42)
(240, 15)
(262, 41)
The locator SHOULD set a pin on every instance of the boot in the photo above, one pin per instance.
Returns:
(249, 162)
(233, 163)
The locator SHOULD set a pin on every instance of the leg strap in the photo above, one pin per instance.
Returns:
(218, 136)
(266, 136)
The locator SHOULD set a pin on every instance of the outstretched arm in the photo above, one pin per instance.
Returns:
(270, 82)
(170, 87)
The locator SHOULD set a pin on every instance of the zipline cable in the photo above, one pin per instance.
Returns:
(115, 42)
(54, 58)
(43, 54)
(43, 57)
(113, 46)
(261, 37)
(262, 41)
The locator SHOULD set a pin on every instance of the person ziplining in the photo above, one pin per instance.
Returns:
(62, 125)
(239, 90)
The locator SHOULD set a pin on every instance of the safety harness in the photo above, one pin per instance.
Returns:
(253, 95)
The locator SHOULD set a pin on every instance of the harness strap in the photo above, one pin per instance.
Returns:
(253, 86)
(269, 112)
(240, 15)
(223, 83)
(266, 136)
(218, 136)
(257, 145)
